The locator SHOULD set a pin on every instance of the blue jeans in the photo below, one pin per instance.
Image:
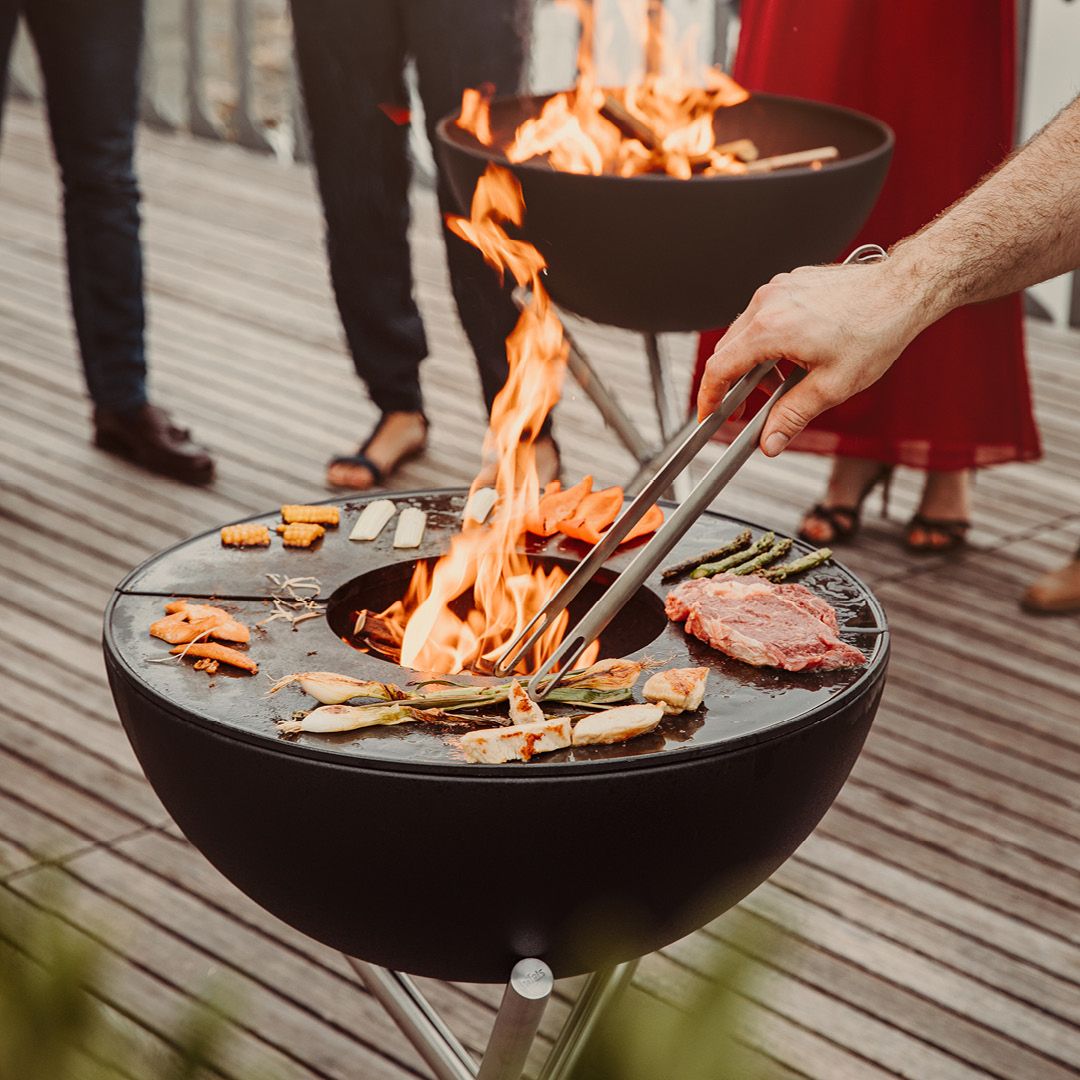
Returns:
(351, 56)
(89, 55)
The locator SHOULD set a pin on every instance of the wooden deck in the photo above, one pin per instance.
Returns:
(930, 927)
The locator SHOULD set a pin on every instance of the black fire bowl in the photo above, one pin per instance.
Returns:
(654, 253)
(387, 845)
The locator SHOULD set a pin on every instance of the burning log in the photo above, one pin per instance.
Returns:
(799, 157)
(380, 633)
(744, 149)
(630, 125)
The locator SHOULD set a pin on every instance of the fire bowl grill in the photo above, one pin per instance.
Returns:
(387, 845)
(656, 254)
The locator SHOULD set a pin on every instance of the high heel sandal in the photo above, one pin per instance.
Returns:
(361, 460)
(845, 521)
(954, 531)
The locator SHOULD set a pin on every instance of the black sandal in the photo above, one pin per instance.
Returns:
(361, 460)
(955, 532)
(845, 521)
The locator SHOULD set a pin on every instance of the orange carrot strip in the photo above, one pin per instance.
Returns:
(172, 628)
(649, 522)
(556, 506)
(596, 512)
(232, 630)
(223, 653)
(580, 530)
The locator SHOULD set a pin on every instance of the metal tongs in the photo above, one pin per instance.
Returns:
(596, 620)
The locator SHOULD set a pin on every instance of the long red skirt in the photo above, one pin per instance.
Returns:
(942, 75)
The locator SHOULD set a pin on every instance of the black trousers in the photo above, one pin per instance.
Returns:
(351, 56)
(89, 54)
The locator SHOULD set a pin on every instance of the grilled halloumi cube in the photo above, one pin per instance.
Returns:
(617, 725)
(523, 710)
(678, 690)
(493, 746)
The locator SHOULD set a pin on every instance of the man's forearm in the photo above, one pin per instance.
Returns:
(1020, 226)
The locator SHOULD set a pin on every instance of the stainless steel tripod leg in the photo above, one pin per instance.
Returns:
(522, 1007)
(419, 1022)
(666, 413)
(609, 408)
(601, 990)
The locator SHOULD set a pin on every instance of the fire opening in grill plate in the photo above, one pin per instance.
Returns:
(639, 624)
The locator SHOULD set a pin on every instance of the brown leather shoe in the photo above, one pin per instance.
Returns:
(149, 438)
(1055, 593)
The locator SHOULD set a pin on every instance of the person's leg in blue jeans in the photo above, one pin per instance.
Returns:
(89, 54)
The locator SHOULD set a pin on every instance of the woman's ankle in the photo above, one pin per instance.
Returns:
(946, 495)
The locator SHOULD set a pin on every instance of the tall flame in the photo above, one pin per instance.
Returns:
(460, 613)
(486, 560)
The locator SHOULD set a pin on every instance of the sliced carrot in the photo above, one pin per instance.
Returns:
(172, 628)
(556, 506)
(223, 653)
(580, 530)
(596, 512)
(233, 630)
(649, 522)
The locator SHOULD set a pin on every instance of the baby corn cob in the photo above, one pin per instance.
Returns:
(300, 534)
(245, 535)
(311, 515)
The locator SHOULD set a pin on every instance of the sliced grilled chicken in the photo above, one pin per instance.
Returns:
(493, 746)
(523, 710)
(678, 690)
(617, 725)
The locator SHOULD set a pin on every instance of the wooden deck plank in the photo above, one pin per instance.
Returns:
(931, 925)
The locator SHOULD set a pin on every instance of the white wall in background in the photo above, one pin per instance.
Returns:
(1052, 80)
(618, 39)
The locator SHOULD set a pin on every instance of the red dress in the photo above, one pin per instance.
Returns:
(942, 75)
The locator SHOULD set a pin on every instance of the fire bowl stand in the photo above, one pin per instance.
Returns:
(524, 999)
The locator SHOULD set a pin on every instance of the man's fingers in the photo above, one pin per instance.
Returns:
(736, 354)
(792, 413)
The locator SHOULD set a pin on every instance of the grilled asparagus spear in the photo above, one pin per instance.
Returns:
(780, 548)
(678, 569)
(797, 566)
(758, 548)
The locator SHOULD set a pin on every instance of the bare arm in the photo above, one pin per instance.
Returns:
(847, 324)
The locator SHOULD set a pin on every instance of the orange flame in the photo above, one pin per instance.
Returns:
(672, 118)
(485, 561)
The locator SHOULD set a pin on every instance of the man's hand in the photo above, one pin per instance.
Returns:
(844, 324)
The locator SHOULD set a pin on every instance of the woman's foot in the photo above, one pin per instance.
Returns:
(548, 464)
(836, 518)
(1055, 593)
(397, 437)
(941, 523)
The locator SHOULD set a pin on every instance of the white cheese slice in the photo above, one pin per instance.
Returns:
(479, 505)
(373, 519)
(410, 528)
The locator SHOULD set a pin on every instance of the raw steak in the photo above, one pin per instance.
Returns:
(752, 620)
